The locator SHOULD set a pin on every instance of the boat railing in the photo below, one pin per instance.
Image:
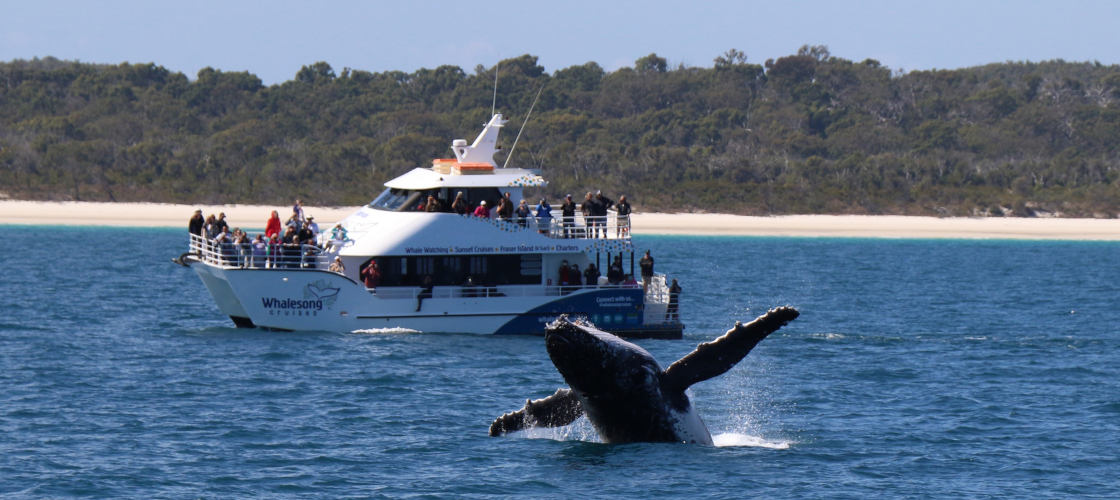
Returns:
(613, 227)
(481, 291)
(657, 291)
(228, 254)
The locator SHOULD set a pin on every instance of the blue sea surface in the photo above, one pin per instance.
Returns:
(917, 369)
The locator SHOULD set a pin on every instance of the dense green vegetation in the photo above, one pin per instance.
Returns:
(806, 133)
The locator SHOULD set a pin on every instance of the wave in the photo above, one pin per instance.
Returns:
(733, 439)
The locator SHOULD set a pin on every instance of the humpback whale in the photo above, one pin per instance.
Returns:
(625, 394)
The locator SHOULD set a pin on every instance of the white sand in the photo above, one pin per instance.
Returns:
(251, 216)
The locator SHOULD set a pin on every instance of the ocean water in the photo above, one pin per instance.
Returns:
(917, 369)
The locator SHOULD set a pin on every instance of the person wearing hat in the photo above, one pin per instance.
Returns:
(482, 212)
(568, 215)
(313, 226)
(196, 223)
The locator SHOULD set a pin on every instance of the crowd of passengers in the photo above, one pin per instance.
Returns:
(290, 244)
(594, 209)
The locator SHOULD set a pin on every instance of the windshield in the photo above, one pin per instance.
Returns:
(391, 199)
(408, 200)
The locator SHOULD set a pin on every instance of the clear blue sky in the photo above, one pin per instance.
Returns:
(274, 38)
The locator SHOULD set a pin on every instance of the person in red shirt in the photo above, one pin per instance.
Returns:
(272, 227)
(482, 211)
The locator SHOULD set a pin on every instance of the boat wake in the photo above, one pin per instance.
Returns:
(385, 331)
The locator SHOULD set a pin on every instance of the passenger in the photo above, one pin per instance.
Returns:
(544, 216)
(304, 236)
(310, 254)
(260, 252)
(586, 210)
(224, 244)
(562, 277)
(338, 234)
(314, 228)
(622, 227)
(482, 212)
(460, 205)
(425, 291)
(599, 212)
(222, 224)
(371, 275)
(432, 205)
(297, 211)
(211, 227)
(289, 248)
(629, 281)
(241, 243)
(614, 272)
(294, 222)
(591, 275)
(575, 277)
(509, 206)
(674, 296)
(274, 251)
(196, 223)
(272, 227)
(568, 216)
(337, 267)
(523, 214)
(647, 271)
(505, 209)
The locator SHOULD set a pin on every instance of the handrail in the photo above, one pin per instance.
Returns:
(483, 291)
(246, 255)
(578, 227)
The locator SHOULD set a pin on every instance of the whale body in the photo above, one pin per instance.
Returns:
(622, 390)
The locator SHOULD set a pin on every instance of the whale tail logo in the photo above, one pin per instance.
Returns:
(321, 290)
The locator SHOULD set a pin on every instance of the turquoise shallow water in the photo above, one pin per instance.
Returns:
(917, 369)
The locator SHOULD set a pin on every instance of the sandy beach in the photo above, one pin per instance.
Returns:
(855, 226)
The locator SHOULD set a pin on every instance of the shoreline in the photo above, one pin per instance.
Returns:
(71, 213)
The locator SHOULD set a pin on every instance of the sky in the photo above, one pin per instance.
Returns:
(273, 39)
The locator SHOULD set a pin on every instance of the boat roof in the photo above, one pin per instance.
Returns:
(473, 166)
(426, 178)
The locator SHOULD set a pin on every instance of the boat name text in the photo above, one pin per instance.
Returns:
(275, 303)
(492, 249)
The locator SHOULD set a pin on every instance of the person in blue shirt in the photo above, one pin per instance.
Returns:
(544, 216)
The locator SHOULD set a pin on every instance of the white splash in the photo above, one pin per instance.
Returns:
(382, 331)
(736, 439)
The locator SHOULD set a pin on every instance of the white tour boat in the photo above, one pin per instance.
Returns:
(441, 271)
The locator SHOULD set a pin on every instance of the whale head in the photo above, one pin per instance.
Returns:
(597, 363)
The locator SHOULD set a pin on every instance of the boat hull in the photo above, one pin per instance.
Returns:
(309, 299)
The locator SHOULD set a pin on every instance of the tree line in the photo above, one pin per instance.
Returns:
(804, 133)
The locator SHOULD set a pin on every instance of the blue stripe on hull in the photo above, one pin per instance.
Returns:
(609, 309)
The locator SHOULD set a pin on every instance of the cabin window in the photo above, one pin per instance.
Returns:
(454, 270)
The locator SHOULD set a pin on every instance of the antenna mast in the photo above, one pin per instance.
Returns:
(527, 115)
(494, 103)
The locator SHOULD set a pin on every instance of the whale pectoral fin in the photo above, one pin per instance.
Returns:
(557, 410)
(716, 357)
